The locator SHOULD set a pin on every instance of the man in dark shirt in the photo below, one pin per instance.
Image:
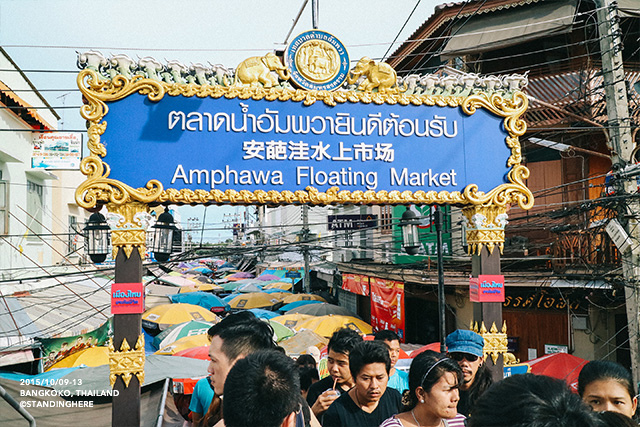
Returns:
(369, 402)
(467, 348)
(323, 393)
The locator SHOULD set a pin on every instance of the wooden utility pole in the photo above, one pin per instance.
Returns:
(488, 312)
(621, 145)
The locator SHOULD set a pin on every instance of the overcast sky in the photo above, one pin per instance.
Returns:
(42, 37)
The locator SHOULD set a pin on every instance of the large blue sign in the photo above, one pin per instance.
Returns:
(246, 144)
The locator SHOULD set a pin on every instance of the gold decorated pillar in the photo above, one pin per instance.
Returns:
(128, 222)
(485, 233)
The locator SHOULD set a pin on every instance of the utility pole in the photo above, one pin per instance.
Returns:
(305, 250)
(621, 145)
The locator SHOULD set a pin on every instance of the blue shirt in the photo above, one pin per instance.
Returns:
(202, 396)
(399, 380)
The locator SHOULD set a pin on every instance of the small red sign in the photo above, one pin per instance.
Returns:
(486, 288)
(127, 298)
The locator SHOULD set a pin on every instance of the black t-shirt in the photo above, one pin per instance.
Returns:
(320, 387)
(345, 413)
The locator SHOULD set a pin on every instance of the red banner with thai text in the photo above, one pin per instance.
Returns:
(387, 305)
(355, 283)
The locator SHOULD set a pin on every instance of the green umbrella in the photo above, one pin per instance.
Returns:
(180, 330)
(280, 331)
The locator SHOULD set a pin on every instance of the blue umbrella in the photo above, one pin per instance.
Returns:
(203, 299)
(273, 291)
(296, 304)
(229, 297)
(263, 314)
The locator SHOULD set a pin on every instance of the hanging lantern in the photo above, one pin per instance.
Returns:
(409, 227)
(163, 236)
(96, 237)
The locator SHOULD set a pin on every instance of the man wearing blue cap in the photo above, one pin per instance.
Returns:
(466, 348)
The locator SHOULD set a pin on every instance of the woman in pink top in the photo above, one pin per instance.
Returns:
(433, 394)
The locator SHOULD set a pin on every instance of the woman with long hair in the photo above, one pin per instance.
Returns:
(607, 386)
(433, 394)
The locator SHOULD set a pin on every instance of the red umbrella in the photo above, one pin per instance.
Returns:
(563, 366)
(201, 353)
(403, 354)
(434, 346)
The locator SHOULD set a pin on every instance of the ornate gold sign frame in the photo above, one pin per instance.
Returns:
(99, 189)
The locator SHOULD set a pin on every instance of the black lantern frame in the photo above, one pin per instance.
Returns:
(410, 237)
(163, 236)
(97, 237)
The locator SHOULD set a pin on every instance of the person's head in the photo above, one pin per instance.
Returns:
(607, 386)
(531, 400)
(369, 363)
(392, 340)
(308, 376)
(261, 389)
(433, 385)
(615, 419)
(340, 345)
(235, 337)
(306, 361)
(466, 348)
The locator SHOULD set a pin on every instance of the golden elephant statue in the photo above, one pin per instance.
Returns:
(379, 75)
(257, 69)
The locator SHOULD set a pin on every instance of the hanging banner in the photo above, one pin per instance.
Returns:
(387, 305)
(355, 283)
(56, 349)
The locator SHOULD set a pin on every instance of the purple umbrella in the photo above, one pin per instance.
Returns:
(268, 277)
(241, 275)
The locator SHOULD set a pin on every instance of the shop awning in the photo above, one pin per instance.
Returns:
(509, 27)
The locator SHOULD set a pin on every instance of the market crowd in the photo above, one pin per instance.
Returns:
(252, 383)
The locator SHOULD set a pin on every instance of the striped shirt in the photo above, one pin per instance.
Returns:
(457, 421)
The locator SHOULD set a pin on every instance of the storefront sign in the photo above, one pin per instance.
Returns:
(355, 283)
(486, 288)
(127, 298)
(351, 222)
(387, 305)
(56, 150)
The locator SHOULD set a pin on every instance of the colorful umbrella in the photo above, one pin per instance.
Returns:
(296, 304)
(262, 313)
(91, 356)
(229, 297)
(175, 332)
(563, 366)
(267, 277)
(162, 316)
(248, 288)
(292, 320)
(323, 309)
(254, 300)
(203, 299)
(303, 297)
(301, 341)
(279, 285)
(280, 331)
(279, 295)
(201, 353)
(240, 275)
(184, 343)
(276, 291)
(434, 346)
(327, 325)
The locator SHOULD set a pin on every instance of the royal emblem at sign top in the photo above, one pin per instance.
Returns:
(317, 61)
